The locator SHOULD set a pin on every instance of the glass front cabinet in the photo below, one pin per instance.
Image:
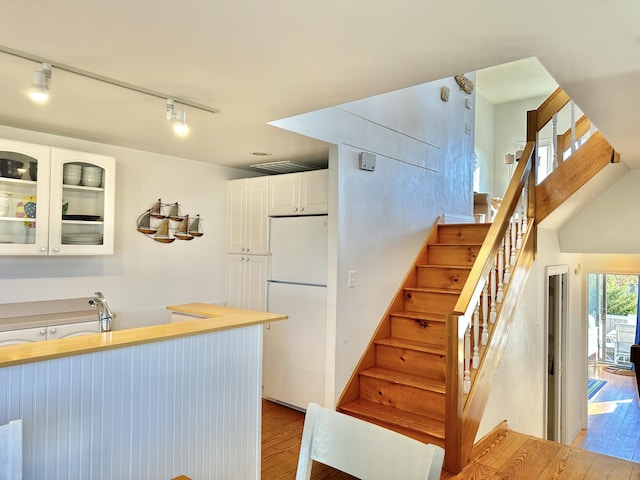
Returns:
(55, 201)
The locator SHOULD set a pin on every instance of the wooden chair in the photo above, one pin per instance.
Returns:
(364, 450)
(11, 450)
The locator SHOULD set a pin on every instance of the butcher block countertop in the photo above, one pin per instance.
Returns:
(188, 319)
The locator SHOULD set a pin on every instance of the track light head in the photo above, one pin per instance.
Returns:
(177, 117)
(39, 91)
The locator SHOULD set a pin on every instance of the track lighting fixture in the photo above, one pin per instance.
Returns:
(178, 117)
(39, 91)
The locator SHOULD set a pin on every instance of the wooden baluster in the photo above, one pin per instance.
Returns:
(485, 313)
(523, 208)
(466, 382)
(506, 278)
(492, 277)
(514, 228)
(499, 295)
(476, 336)
(556, 158)
(573, 127)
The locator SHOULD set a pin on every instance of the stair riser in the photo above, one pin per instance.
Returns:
(420, 436)
(471, 233)
(463, 255)
(417, 301)
(403, 397)
(442, 277)
(431, 332)
(411, 361)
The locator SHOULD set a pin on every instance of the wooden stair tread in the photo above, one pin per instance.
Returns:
(442, 266)
(405, 378)
(412, 345)
(444, 291)
(393, 416)
(466, 245)
(430, 317)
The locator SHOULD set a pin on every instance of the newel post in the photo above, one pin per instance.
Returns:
(453, 458)
(532, 136)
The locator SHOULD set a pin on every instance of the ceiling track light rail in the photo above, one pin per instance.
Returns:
(101, 78)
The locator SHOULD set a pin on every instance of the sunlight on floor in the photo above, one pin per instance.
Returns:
(599, 408)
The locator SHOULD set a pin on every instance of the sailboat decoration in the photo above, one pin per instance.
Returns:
(174, 212)
(144, 223)
(155, 224)
(194, 229)
(156, 210)
(162, 235)
(182, 231)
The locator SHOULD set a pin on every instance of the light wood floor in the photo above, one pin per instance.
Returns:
(514, 456)
(614, 417)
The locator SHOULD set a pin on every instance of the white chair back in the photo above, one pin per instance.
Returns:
(11, 450)
(364, 450)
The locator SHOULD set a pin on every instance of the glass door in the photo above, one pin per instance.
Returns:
(613, 316)
(24, 198)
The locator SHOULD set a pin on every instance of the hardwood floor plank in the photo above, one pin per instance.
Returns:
(569, 463)
(496, 457)
(513, 456)
(614, 417)
(604, 467)
(529, 461)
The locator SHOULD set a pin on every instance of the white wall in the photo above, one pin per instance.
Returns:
(383, 217)
(510, 132)
(142, 274)
(524, 407)
(484, 140)
(609, 223)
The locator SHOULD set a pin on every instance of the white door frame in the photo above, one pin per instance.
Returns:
(561, 350)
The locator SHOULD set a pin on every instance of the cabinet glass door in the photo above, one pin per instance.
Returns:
(24, 180)
(81, 206)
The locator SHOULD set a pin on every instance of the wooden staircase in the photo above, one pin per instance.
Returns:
(400, 383)
(428, 369)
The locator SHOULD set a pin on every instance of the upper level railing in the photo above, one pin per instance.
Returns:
(559, 132)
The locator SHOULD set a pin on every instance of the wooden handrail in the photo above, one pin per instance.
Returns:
(552, 105)
(459, 430)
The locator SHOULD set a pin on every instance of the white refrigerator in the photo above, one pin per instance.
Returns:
(294, 349)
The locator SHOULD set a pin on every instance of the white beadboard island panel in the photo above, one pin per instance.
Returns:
(189, 405)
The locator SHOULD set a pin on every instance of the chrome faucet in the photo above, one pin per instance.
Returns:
(105, 317)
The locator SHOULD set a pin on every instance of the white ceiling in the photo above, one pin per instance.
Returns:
(259, 61)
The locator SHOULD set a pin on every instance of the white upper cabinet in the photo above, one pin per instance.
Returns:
(82, 216)
(303, 193)
(247, 219)
(45, 209)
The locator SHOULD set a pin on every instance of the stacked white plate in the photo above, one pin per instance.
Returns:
(82, 239)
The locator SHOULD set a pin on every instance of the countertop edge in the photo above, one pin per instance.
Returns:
(218, 318)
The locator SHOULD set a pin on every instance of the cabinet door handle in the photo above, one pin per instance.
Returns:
(247, 250)
(56, 249)
(43, 249)
(43, 331)
(302, 209)
(52, 330)
(295, 209)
